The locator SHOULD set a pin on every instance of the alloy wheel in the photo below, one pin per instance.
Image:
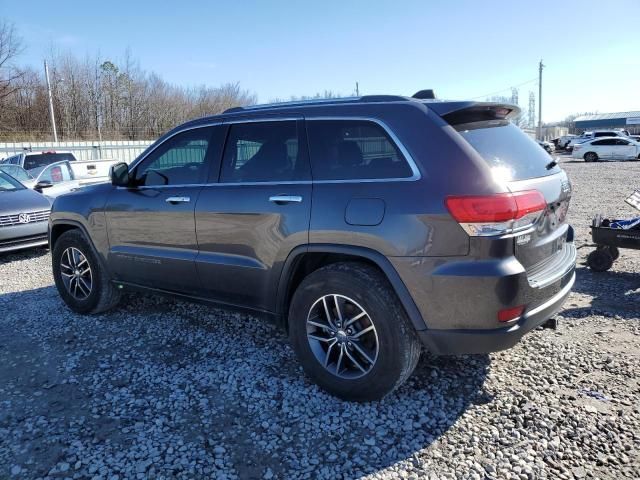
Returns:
(342, 336)
(76, 273)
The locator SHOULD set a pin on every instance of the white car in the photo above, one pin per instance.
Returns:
(586, 136)
(50, 180)
(607, 148)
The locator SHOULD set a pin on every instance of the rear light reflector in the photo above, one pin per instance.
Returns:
(497, 214)
(510, 314)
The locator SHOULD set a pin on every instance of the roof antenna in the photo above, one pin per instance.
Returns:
(425, 95)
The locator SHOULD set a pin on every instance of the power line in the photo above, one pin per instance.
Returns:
(505, 89)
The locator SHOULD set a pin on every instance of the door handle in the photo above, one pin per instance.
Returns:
(174, 200)
(282, 199)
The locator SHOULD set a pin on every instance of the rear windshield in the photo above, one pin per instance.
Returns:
(44, 159)
(510, 152)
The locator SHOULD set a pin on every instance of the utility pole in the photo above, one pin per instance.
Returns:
(53, 117)
(540, 67)
(357, 90)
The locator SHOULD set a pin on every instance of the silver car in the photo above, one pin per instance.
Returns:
(24, 215)
(50, 180)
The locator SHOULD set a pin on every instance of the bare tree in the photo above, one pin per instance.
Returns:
(113, 99)
(10, 48)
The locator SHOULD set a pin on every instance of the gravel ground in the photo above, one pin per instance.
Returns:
(163, 389)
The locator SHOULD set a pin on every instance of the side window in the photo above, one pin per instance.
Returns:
(264, 152)
(352, 150)
(180, 160)
(622, 142)
(56, 173)
(599, 142)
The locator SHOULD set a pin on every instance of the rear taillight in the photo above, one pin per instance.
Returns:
(497, 214)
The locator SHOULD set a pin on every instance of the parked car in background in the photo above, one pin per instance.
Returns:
(548, 147)
(564, 140)
(607, 148)
(34, 162)
(337, 219)
(595, 134)
(19, 173)
(24, 215)
(635, 137)
(52, 180)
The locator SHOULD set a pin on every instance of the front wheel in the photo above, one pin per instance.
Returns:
(80, 278)
(350, 333)
(590, 157)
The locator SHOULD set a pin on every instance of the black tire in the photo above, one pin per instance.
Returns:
(398, 346)
(613, 251)
(590, 157)
(103, 294)
(600, 260)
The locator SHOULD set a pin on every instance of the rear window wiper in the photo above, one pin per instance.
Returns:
(551, 164)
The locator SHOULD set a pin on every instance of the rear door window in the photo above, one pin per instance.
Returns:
(510, 152)
(353, 150)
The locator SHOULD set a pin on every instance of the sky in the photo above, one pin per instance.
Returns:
(462, 49)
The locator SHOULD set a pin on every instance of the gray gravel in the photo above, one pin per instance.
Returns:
(163, 389)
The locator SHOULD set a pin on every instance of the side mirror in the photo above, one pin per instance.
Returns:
(119, 174)
(42, 184)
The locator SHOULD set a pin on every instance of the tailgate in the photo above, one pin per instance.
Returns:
(91, 169)
(544, 248)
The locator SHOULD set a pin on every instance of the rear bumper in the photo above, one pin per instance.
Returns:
(467, 341)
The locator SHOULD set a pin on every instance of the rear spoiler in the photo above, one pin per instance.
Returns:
(456, 113)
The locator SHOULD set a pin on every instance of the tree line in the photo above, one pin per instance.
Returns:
(98, 98)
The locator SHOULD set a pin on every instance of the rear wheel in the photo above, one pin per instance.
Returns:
(600, 260)
(350, 332)
(591, 157)
(80, 278)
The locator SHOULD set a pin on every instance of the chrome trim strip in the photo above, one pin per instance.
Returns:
(568, 258)
(416, 175)
(285, 199)
(552, 300)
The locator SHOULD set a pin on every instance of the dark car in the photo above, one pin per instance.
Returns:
(24, 215)
(368, 228)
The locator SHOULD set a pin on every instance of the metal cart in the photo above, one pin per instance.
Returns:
(608, 240)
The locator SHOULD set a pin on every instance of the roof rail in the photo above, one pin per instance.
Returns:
(320, 101)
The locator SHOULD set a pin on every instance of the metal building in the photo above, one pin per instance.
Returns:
(628, 120)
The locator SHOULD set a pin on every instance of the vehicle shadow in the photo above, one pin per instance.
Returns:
(26, 254)
(613, 293)
(242, 390)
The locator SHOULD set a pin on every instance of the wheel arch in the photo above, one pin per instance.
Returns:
(58, 227)
(307, 258)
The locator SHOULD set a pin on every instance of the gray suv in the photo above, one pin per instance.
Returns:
(368, 228)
